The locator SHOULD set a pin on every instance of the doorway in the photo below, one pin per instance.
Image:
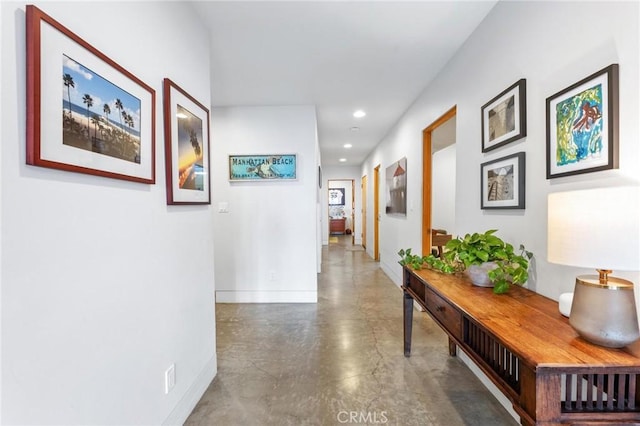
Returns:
(341, 214)
(436, 138)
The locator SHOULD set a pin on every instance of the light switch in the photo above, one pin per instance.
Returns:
(223, 207)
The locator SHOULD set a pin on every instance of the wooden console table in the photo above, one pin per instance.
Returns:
(529, 351)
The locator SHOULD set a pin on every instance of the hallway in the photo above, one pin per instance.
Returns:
(340, 361)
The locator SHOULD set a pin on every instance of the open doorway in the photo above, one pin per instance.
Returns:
(341, 218)
(438, 182)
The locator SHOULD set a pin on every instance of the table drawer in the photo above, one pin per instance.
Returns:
(448, 316)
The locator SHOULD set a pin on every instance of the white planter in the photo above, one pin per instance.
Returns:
(478, 274)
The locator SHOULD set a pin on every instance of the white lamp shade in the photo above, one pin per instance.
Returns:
(595, 228)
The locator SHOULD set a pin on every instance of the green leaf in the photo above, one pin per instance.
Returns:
(482, 255)
(501, 287)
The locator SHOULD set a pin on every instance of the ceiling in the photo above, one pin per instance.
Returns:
(339, 56)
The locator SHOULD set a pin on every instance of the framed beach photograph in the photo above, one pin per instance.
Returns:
(502, 183)
(186, 135)
(85, 113)
(582, 125)
(262, 168)
(504, 118)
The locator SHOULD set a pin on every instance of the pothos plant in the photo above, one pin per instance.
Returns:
(475, 249)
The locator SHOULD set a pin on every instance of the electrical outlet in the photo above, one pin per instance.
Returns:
(169, 378)
(272, 275)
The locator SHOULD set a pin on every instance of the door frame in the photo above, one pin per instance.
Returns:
(363, 210)
(427, 158)
(376, 213)
(353, 205)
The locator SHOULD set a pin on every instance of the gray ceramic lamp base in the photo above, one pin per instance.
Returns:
(604, 314)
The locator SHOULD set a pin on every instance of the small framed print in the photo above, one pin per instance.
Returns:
(186, 129)
(582, 126)
(504, 118)
(502, 183)
(85, 113)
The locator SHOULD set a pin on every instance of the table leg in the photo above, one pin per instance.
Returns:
(408, 323)
(452, 347)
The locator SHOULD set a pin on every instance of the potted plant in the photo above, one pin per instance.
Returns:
(482, 256)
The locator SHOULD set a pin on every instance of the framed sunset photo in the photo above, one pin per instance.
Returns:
(186, 130)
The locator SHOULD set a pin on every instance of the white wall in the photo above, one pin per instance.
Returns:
(266, 246)
(443, 189)
(104, 286)
(341, 173)
(517, 40)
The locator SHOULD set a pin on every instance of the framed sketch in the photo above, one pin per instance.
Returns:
(336, 196)
(186, 135)
(396, 180)
(262, 167)
(502, 183)
(582, 126)
(85, 113)
(504, 118)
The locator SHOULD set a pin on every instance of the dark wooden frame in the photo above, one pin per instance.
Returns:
(37, 113)
(610, 119)
(519, 88)
(176, 195)
(519, 182)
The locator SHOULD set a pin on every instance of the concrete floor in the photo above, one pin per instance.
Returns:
(340, 361)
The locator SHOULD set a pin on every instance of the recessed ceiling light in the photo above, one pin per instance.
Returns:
(359, 113)
(342, 160)
(347, 145)
(355, 129)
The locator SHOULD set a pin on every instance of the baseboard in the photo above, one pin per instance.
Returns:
(223, 296)
(188, 402)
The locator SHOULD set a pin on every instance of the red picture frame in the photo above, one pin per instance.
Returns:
(71, 133)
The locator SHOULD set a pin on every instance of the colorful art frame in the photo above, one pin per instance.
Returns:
(582, 125)
(62, 131)
(502, 182)
(263, 168)
(186, 134)
(504, 118)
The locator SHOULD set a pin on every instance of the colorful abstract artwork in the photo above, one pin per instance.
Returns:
(579, 126)
(582, 126)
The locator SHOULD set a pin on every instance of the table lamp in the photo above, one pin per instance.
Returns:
(598, 228)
